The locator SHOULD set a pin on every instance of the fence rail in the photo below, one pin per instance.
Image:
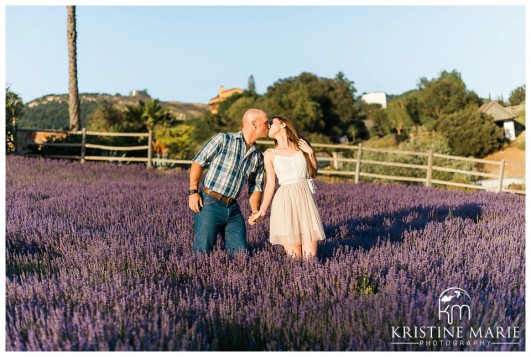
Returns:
(335, 161)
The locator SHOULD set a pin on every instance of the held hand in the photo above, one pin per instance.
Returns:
(304, 146)
(195, 202)
(255, 218)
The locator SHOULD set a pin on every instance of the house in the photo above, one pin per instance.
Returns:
(139, 93)
(213, 104)
(502, 116)
(376, 98)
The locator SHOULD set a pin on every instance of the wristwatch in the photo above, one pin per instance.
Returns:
(192, 192)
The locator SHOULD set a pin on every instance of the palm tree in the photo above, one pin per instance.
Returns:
(73, 94)
(155, 115)
(147, 116)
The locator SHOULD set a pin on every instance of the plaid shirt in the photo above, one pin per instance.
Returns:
(230, 164)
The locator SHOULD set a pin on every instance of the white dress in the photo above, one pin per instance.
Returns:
(294, 216)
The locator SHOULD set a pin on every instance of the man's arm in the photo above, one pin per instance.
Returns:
(269, 189)
(256, 181)
(202, 159)
(254, 200)
(194, 201)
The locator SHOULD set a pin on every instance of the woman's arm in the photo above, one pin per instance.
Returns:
(305, 147)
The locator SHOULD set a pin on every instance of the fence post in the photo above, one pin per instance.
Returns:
(83, 143)
(358, 165)
(334, 156)
(150, 149)
(502, 173)
(430, 168)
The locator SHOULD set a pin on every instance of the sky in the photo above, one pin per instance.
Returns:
(184, 53)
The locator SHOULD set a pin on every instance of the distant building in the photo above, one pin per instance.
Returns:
(502, 116)
(139, 93)
(376, 98)
(223, 94)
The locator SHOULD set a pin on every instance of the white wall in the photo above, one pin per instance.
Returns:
(508, 128)
(376, 98)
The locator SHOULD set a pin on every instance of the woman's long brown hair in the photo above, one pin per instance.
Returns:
(294, 135)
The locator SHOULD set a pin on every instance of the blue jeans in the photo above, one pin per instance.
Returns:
(218, 217)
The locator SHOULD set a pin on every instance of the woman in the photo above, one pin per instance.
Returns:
(295, 221)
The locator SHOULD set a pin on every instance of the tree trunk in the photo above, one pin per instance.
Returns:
(73, 94)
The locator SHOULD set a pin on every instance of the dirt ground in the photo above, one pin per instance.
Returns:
(511, 155)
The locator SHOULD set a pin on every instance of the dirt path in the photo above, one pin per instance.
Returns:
(511, 155)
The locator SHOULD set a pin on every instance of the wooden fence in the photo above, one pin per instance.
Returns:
(357, 159)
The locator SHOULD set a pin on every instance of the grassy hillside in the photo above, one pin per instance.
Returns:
(51, 111)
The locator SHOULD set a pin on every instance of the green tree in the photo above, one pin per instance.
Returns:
(470, 132)
(234, 113)
(106, 117)
(227, 119)
(137, 118)
(501, 101)
(412, 105)
(381, 123)
(146, 116)
(14, 111)
(398, 116)
(251, 87)
(204, 127)
(375, 118)
(178, 139)
(517, 96)
(319, 105)
(442, 96)
(155, 115)
(294, 100)
(322, 108)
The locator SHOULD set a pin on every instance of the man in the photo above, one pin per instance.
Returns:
(233, 158)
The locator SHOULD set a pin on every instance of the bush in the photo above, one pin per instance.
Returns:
(178, 141)
(435, 142)
(14, 111)
(470, 132)
(389, 141)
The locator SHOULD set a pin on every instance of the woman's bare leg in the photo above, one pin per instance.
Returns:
(309, 249)
(293, 250)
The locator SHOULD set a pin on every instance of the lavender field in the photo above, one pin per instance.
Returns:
(99, 257)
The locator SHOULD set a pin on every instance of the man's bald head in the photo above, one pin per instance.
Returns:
(251, 115)
(255, 125)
